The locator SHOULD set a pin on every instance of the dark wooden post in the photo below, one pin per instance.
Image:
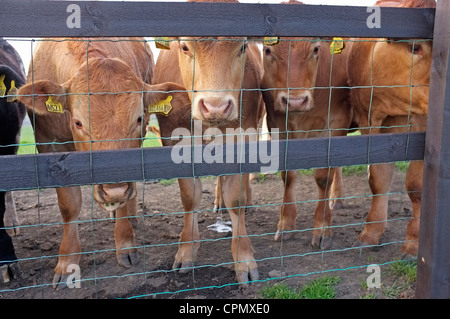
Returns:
(433, 273)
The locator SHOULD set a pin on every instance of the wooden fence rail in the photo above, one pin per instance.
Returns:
(31, 19)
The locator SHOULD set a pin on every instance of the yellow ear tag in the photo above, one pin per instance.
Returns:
(12, 93)
(2, 85)
(161, 107)
(53, 106)
(271, 40)
(162, 43)
(337, 46)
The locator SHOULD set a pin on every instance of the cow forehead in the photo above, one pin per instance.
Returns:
(105, 75)
(211, 43)
(295, 44)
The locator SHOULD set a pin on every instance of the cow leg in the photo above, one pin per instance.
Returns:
(11, 219)
(9, 268)
(126, 251)
(337, 188)
(191, 193)
(413, 183)
(69, 201)
(380, 177)
(321, 236)
(288, 212)
(235, 198)
(218, 202)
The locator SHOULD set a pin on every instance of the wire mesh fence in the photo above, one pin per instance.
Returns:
(171, 232)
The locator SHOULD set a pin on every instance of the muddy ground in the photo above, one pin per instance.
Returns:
(158, 231)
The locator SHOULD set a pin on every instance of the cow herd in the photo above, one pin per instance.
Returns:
(88, 94)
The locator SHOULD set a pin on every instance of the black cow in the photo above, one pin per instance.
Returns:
(12, 114)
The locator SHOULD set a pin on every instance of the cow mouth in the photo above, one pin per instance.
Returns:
(111, 207)
(111, 197)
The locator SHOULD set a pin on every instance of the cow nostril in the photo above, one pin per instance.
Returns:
(203, 107)
(228, 108)
(305, 100)
(114, 192)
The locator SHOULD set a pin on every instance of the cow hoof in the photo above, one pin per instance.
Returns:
(366, 245)
(15, 231)
(282, 236)
(336, 204)
(60, 281)
(245, 277)
(9, 272)
(183, 267)
(320, 242)
(128, 259)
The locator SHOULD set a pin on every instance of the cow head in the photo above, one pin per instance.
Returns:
(404, 65)
(290, 71)
(212, 72)
(108, 107)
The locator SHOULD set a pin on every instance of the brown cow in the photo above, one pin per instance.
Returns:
(217, 74)
(402, 69)
(292, 68)
(61, 75)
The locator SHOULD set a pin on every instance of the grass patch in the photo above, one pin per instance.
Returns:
(27, 142)
(406, 270)
(321, 288)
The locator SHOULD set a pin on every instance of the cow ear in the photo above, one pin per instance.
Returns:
(43, 97)
(162, 98)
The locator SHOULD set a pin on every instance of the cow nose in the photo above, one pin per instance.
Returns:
(115, 193)
(216, 110)
(296, 103)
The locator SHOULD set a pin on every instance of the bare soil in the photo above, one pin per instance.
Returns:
(157, 235)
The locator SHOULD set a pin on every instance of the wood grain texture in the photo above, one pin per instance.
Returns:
(433, 270)
(80, 168)
(40, 18)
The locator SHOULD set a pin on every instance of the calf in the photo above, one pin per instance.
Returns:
(12, 113)
(292, 70)
(402, 69)
(222, 76)
(88, 95)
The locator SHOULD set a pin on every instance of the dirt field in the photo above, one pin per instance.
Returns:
(158, 231)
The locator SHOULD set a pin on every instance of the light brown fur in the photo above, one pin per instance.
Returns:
(113, 116)
(218, 74)
(379, 62)
(294, 63)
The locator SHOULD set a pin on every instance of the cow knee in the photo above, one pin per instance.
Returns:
(415, 193)
(322, 182)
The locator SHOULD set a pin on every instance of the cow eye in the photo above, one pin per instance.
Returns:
(415, 49)
(316, 50)
(139, 120)
(243, 48)
(78, 124)
(268, 51)
(184, 47)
